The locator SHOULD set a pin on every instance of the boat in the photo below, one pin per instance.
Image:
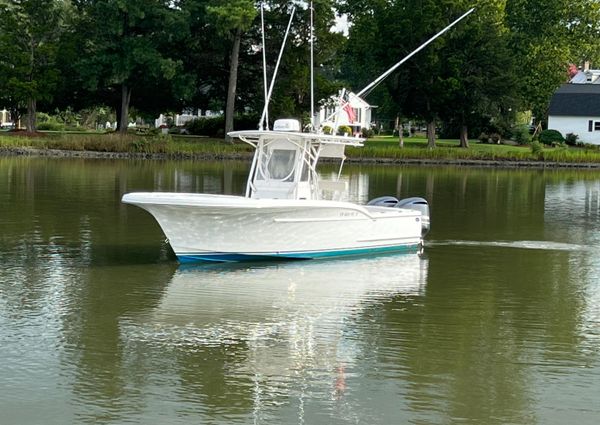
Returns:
(283, 213)
(287, 212)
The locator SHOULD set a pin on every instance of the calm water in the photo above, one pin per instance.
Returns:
(498, 322)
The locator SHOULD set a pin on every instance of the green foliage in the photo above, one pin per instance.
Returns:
(344, 130)
(327, 130)
(507, 56)
(367, 132)
(127, 51)
(546, 36)
(536, 148)
(51, 126)
(291, 95)
(213, 126)
(206, 126)
(549, 137)
(521, 135)
(29, 30)
(571, 139)
(231, 15)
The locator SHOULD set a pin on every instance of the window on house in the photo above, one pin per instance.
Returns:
(358, 112)
(597, 126)
(590, 125)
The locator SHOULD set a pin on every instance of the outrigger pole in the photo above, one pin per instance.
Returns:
(268, 99)
(379, 79)
(264, 57)
(312, 70)
(383, 76)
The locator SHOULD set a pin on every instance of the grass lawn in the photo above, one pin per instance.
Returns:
(416, 148)
(380, 147)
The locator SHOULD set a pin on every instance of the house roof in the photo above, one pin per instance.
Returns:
(581, 100)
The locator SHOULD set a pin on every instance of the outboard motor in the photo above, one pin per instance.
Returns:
(384, 201)
(415, 203)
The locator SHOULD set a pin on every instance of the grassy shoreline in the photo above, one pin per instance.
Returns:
(383, 149)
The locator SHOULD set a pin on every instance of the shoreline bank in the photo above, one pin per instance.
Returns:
(507, 163)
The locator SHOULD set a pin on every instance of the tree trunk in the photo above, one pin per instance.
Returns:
(231, 90)
(123, 122)
(30, 124)
(464, 137)
(431, 134)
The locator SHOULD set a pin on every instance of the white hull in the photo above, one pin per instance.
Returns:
(233, 228)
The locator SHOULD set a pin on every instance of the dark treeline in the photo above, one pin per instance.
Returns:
(157, 56)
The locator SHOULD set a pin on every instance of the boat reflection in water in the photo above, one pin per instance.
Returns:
(290, 329)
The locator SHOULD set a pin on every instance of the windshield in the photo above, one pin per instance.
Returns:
(278, 165)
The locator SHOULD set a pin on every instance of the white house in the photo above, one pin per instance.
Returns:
(5, 119)
(186, 116)
(345, 109)
(575, 108)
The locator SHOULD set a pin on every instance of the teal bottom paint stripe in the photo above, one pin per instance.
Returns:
(302, 255)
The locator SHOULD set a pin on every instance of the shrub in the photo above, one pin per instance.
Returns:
(215, 126)
(536, 148)
(367, 132)
(484, 138)
(495, 138)
(548, 137)
(246, 122)
(344, 129)
(521, 135)
(571, 139)
(50, 126)
(327, 130)
(206, 126)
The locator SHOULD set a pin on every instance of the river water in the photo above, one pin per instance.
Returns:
(497, 322)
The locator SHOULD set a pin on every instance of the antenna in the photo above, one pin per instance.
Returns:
(268, 99)
(312, 70)
(264, 55)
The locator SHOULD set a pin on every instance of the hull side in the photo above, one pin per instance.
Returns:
(225, 228)
(304, 255)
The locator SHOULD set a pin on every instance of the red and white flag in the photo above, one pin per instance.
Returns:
(345, 101)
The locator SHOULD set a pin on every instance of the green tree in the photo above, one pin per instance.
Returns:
(29, 30)
(291, 96)
(479, 80)
(127, 48)
(232, 18)
(393, 30)
(547, 35)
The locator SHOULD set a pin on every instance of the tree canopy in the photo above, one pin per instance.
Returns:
(165, 55)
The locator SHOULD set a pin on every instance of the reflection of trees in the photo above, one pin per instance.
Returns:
(75, 204)
(491, 203)
(63, 235)
(473, 346)
(104, 369)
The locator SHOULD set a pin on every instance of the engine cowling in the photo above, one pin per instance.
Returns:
(415, 203)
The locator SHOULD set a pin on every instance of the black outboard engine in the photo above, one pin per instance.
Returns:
(415, 203)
